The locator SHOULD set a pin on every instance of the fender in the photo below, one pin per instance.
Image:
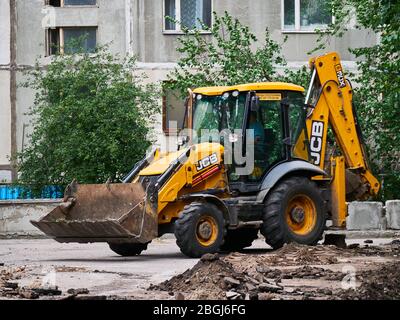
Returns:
(281, 170)
(212, 199)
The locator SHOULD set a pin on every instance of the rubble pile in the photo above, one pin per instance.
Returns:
(211, 277)
(382, 285)
(391, 250)
(214, 277)
(292, 272)
(11, 289)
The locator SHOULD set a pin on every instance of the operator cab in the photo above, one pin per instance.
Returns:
(261, 125)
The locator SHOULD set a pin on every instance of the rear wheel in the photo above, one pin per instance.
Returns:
(200, 229)
(239, 239)
(294, 212)
(128, 249)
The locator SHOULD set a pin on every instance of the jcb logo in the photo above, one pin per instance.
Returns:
(207, 161)
(340, 76)
(317, 132)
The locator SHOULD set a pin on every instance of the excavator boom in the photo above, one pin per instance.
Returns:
(329, 99)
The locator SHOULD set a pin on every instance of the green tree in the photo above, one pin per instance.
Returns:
(91, 119)
(377, 93)
(230, 55)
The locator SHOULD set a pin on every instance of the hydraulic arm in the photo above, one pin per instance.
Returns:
(330, 100)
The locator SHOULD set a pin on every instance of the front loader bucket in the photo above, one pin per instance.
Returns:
(101, 213)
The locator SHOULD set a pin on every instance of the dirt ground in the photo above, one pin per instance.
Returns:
(363, 270)
(294, 272)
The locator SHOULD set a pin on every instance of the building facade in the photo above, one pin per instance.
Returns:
(36, 29)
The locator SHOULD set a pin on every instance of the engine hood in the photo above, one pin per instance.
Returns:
(159, 166)
(198, 153)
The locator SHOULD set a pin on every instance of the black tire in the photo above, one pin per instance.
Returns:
(128, 249)
(195, 217)
(236, 240)
(279, 210)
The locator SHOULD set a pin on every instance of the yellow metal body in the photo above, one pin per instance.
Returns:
(261, 86)
(334, 108)
(188, 178)
(338, 191)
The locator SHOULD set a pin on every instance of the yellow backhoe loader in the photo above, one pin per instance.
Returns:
(253, 157)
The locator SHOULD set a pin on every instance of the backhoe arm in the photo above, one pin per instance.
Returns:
(330, 99)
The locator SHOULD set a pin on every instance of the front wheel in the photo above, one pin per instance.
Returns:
(200, 229)
(294, 212)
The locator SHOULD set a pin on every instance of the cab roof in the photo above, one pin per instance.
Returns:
(260, 86)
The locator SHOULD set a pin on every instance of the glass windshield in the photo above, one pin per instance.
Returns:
(213, 114)
(269, 128)
(297, 126)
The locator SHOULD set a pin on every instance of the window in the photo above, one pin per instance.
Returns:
(54, 3)
(217, 114)
(297, 126)
(305, 15)
(174, 111)
(268, 139)
(79, 2)
(70, 40)
(188, 12)
(53, 41)
(65, 3)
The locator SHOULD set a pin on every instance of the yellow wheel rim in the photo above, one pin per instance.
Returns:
(206, 231)
(301, 215)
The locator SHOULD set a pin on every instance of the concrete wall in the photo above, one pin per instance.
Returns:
(393, 214)
(5, 119)
(152, 45)
(33, 18)
(4, 32)
(15, 216)
(370, 215)
(5, 110)
(111, 27)
(365, 215)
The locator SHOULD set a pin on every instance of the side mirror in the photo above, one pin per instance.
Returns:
(255, 103)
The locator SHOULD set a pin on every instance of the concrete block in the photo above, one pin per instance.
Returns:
(393, 214)
(365, 215)
(15, 216)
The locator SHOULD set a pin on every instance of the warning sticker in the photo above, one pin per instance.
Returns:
(340, 76)
(269, 96)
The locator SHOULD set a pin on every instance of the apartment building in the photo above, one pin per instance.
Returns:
(32, 29)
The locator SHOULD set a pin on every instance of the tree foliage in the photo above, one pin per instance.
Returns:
(91, 119)
(377, 94)
(230, 54)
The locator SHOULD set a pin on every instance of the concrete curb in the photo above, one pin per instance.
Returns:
(364, 234)
(393, 214)
(15, 216)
